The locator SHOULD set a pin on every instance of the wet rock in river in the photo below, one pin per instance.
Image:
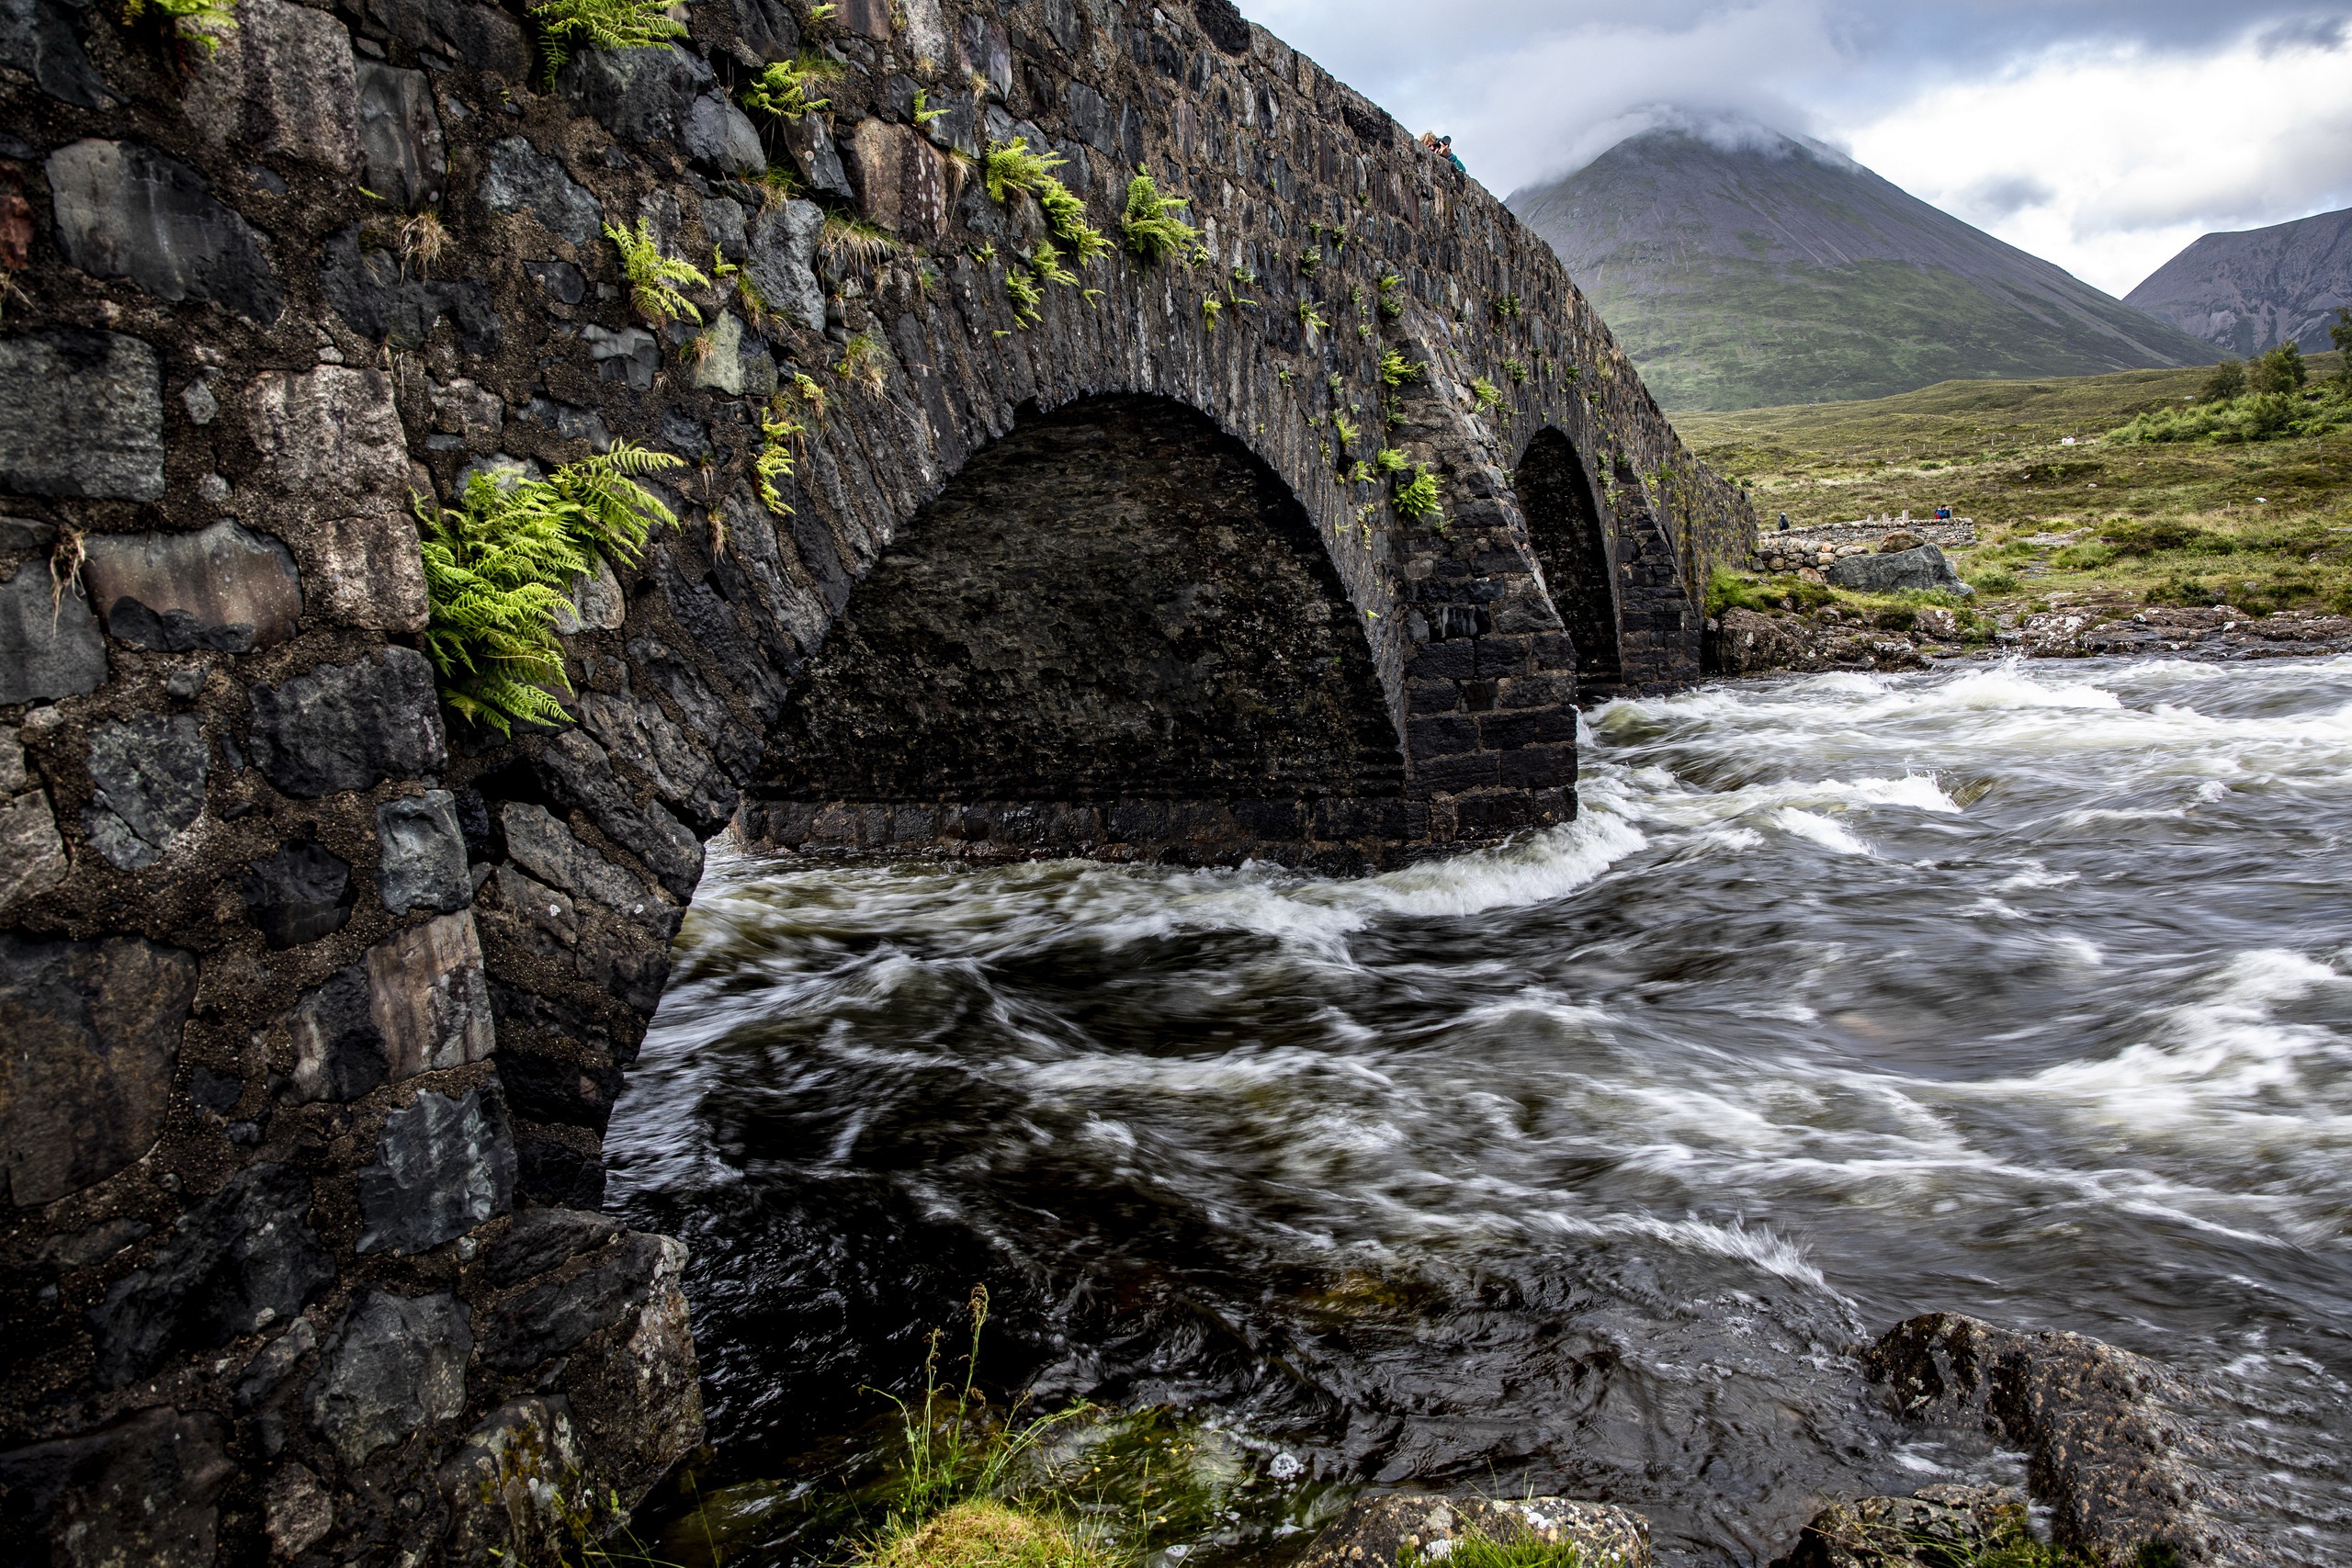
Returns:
(1377, 1532)
(1936, 1527)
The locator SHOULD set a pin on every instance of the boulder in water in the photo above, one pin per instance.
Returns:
(1937, 1525)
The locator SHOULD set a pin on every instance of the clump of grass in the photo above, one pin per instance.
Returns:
(983, 1533)
(1734, 590)
(653, 277)
(1477, 1549)
(499, 564)
(865, 361)
(567, 25)
(782, 88)
(1153, 230)
(855, 240)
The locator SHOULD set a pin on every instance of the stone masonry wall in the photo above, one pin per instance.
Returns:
(314, 1000)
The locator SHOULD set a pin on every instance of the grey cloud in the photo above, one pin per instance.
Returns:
(2000, 198)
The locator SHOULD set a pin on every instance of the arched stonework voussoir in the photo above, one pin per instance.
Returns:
(317, 999)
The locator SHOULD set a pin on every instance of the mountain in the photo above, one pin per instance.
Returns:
(1743, 268)
(2250, 291)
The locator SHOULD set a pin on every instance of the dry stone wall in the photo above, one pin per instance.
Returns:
(315, 1001)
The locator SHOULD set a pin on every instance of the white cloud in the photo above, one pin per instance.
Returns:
(2108, 160)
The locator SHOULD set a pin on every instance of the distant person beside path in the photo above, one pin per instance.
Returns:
(1784, 521)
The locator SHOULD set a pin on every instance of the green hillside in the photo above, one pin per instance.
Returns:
(1769, 271)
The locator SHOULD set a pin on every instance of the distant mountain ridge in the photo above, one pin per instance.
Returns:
(2252, 291)
(1748, 269)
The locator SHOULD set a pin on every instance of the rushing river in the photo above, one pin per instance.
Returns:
(1576, 1166)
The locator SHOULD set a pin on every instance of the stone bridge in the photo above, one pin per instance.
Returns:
(315, 1000)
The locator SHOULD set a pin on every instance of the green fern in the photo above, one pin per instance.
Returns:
(653, 277)
(1485, 392)
(1417, 497)
(501, 563)
(567, 25)
(1391, 306)
(782, 89)
(924, 113)
(1311, 319)
(774, 461)
(201, 22)
(1346, 433)
(1045, 266)
(1209, 309)
(1009, 167)
(1152, 229)
(1025, 295)
(1396, 369)
(1517, 371)
(1390, 461)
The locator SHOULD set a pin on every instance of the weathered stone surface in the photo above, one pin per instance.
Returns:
(820, 161)
(733, 361)
(683, 770)
(1940, 1524)
(143, 1492)
(629, 353)
(392, 301)
(483, 37)
(723, 219)
(298, 1512)
(422, 865)
(583, 776)
(149, 775)
(393, 1364)
(330, 436)
(541, 1239)
(226, 589)
(767, 29)
(301, 894)
(551, 851)
(338, 1047)
(347, 725)
(40, 38)
(597, 602)
(32, 857)
(50, 643)
(516, 1487)
(663, 94)
(429, 998)
(1922, 567)
(1748, 643)
(85, 415)
(523, 179)
(2112, 1444)
(1376, 1531)
(365, 570)
(237, 1262)
(444, 1166)
(901, 181)
(124, 210)
(403, 159)
(91, 1029)
(782, 263)
(552, 1317)
(280, 82)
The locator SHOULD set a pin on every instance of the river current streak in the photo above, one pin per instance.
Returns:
(1578, 1165)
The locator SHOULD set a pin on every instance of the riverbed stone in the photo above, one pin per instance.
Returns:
(1937, 1525)
(338, 1044)
(301, 894)
(330, 436)
(143, 1490)
(1377, 1532)
(225, 588)
(92, 1029)
(1924, 568)
(50, 643)
(403, 155)
(234, 1264)
(149, 775)
(344, 726)
(444, 1165)
(85, 415)
(125, 210)
(422, 863)
(521, 178)
(783, 262)
(429, 996)
(41, 38)
(279, 81)
(393, 1364)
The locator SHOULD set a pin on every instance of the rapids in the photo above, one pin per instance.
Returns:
(1578, 1165)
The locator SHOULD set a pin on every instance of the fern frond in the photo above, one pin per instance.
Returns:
(653, 278)
(566, 25)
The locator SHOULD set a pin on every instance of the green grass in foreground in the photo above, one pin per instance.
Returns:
(2261, 525)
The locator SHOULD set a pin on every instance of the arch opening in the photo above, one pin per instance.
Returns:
(1116, 629)
(1572, 546)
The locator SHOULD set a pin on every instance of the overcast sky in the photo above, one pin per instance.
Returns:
(2102, 134)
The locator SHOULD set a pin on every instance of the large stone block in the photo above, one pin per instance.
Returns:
(663, 94)
(388, 300)
(149, 775)
(365, 570)
(820, 161)
(1922, 567)
(483, 37)
(85, 416)
(783, 262)
(143, 1491)
(429, 999)
(32, 857)
(423, 860)
(583, 776)
(279, 81)
(400, 136)
(523, 179)
(901, 181)
(394, 1364)
(226, 589)
(89, 1031)
(330, 436)
(348, 726)
(444, 1166)
(338, 1048)
(124, 210)
(301, 894)
(234, 1264)
(551, 851)
(39, 38)
(50, 643)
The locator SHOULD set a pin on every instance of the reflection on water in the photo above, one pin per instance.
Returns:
(1578, 1165)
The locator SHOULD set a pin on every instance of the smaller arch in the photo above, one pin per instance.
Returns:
(1573, 544)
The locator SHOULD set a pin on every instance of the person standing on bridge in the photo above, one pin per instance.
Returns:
(1445, 145)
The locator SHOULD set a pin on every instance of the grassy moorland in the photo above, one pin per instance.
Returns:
(2265, 523)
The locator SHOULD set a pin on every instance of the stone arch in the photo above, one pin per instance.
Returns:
(1114, 631)
(1576, 548)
